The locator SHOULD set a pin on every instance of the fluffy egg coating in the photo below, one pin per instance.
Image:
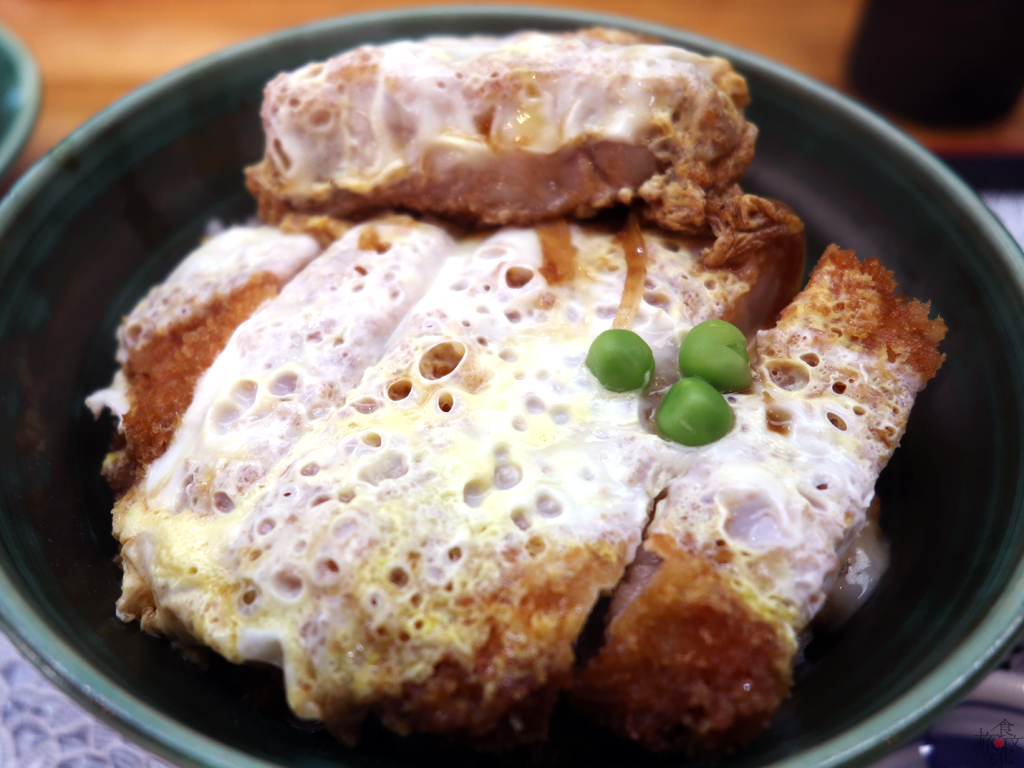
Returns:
(413, 507)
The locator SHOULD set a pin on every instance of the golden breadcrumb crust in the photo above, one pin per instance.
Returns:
(853, 304)
(764, 242)
(859, 299)
(502, 694)
(162, 376)
(747, 224)
(689, 664)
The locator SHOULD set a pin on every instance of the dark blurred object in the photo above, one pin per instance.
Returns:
(993, 173)
(953, 63)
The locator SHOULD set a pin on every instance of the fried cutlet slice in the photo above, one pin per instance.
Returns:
(699, 646)
(281, 372)
(173, 335)
(511, 130)
(429, 545)
(328, 324)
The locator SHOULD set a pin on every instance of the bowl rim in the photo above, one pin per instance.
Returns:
(29, 84)
(896, 722)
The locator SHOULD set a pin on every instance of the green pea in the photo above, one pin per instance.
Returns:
(716, 351)
(621, 360)
(694, 413)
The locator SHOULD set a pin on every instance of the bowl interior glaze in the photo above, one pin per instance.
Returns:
(113, 208)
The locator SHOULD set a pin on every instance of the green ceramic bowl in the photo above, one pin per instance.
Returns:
(19, 98)
(111, 209)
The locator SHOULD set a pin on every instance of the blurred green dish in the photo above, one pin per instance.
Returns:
(111, 209)
(19, 98)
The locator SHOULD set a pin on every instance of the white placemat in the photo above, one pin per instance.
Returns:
(1009, 207)
(43, 728)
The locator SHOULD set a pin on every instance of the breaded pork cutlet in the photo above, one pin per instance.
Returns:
(413, 507)
(173, 335)
(699, 646)
(423, 536)
(514, 130)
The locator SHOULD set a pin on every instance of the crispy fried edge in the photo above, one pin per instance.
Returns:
(860, 299)
(690, 663)
(162, 376)
(854, 304)
(764, 241)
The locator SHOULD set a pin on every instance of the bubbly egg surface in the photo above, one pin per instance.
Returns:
(366, 118)
(221, 265)
(400, 477)
(402, 456)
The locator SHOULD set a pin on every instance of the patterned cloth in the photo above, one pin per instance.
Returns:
(40, 727)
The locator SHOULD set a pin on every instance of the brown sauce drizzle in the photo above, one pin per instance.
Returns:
(776, 417)
(369, 240)
(557, 249)
(632, 241)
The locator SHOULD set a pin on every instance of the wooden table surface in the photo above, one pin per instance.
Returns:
(92, 52)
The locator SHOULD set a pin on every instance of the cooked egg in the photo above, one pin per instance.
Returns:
(442, 103)
(362, 503)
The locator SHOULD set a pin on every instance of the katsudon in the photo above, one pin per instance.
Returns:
(370, 441)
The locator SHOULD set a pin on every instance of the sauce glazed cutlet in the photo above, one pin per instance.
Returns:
(513, 130)
(391, 469)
